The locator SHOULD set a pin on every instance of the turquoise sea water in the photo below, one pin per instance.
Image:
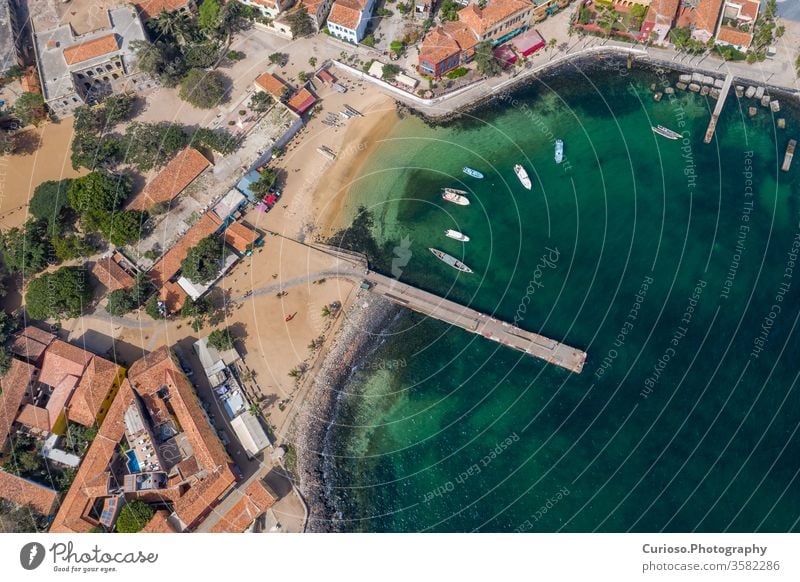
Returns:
(672, 263)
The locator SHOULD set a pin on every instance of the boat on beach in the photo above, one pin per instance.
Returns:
(559, 156)
(454, 234)
(666, 132)
(473, 173)
(523, 176)
(455, 196)
(450, 260)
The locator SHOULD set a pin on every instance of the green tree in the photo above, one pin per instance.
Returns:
(218, 140)
(151, 308)
(484, 60)
(397, 46)
(449, 10)
(29, 108)
(203, 89)
(151, 145)
(220, 339)
(208, 14)
(265, 182)
(135, 514)
(389, 71)
(120, 302)
(71, 246)
(300, 22)
(98, 191)
(170, 24)
(93, 151)
(161, 60)
(260, 102)
(7, 143)
(117, 108)
(49, 201)
(62, 294)
(27, 249)
(278, 58)
(203, 261)
(202, 55)
(122, 227)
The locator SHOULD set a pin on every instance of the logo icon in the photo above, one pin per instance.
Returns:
(31, 555)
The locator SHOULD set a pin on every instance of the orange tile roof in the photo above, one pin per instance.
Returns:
(301, 101)
(437, 46)
(91, 49)
(94, 386)
(240, 236)
(461, 33)
(173, 296)
(202, 497)
(159, 523)
(255, 501)
(312, 5)
(346, 13)
(13, 384)
(480, 20)
(62, 359)
(662, 11)
(31, 343)
(152, 8)
(170, 263)
(34, 417)
(735, 37)
(24, 492)
(111, 275)
(176, 176)
(750, 9)
(271, 84)
(707, 15)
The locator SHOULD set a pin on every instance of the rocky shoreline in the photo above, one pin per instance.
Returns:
(356, 338)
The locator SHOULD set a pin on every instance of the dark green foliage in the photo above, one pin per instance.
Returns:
(29, 108)
(279, 59)
(151, 308)
(208, 14)
(260, 102)
(485, 61)
(161, 59)
(449, 10)
(120, 302)
(265, 182)
(27, 249)
(235, 55)
(151, 145)
(730, 53)
(300, 22)
(49, 200)
(201, 55)
(98, 191)
(78, 438)
(64, 293)
(218, 140)
(8, 324)
(135, 514)
(93, 151)
(117, 108)
(71, 246)
(203, 261)
(122, 227)
(220, 339)
(389, 71)
(203, 89)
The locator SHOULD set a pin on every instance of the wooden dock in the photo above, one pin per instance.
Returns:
(473, 321)
(787, 159)
(723, 96)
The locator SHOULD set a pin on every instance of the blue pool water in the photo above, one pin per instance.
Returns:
(133, 462)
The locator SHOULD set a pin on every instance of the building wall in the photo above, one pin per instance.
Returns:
(518, 21)
(353, 35)
(112, 393)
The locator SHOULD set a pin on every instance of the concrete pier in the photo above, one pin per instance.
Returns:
(723, 95)
(473, 321)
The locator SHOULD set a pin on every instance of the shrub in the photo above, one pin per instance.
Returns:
(135, 514)
(64, 293)
(203, 89)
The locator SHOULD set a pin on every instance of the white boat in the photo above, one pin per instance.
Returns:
(523, 176)
(455, 196)
(559, 151)
(666, 132)
(454, 234)
(452, 261)
(473, 173)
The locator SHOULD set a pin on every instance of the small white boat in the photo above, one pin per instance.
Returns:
(523, 176)
(666, 132)
(449, 260)
(559, 151)
(455, 196)
(473, 173)
(454, 234)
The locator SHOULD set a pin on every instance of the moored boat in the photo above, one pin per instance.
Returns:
(559, 151)
(455, 196)
(450, 260)
(523, 176)
(473, 173)
(666, 132)
(454, 234)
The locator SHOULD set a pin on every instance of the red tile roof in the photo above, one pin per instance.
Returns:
(481, 20)
(24, 492)
(735, 37)
(159, 523)
(176, 176)
(437, 46)
(61, 360)
(301, 101)
(34, 417)
(173, 296)
(13, 384)
(91, 49)
(94, 386)
(662, 11)
(152, 8)
(750, 9)
(254, 502)
(707, 15)
(169, 264)
(346, 13)
(240, 236)
(271, 84)
(31, 343)
(111, 275)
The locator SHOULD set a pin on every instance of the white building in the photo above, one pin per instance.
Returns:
(318, 10)
(349, 18)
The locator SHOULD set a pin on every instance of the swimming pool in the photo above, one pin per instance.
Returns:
(133, 462)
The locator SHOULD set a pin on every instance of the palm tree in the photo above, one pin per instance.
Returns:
(170, 24)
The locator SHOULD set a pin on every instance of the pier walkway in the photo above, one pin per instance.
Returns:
(723, 96)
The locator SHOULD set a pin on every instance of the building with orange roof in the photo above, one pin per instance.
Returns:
(271, 84)
(734, 37)
(738, 23)
(254, 500)
(151, 8)
(111, 274)
(498, 20)
(30, 344)
(446, 47)
(706, 19)
(194, 472)
(16, 385)
(301, 101)
(660, 19)
(79, 69)
(159, 523)
(176, 176)
(318, 10)
(23, 492)
(170, 263)
(348, 19)
(240, 237)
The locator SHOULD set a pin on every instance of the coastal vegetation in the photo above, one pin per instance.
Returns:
(62, 294)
